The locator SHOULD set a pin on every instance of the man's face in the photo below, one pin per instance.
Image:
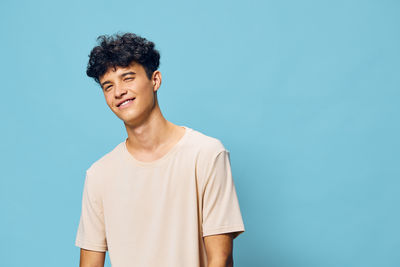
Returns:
(130, 83)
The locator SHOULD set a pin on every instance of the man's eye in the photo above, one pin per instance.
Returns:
(128, 79)
(108, 87)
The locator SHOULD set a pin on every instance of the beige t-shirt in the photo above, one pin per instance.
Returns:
(152, 214)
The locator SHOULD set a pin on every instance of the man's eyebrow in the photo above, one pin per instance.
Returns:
(105, 83)
(127, 73)
(122, 75)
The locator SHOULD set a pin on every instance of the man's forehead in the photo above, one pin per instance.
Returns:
(119, 69)
(132, 65)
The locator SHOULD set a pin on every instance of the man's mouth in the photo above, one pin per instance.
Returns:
(126, 102)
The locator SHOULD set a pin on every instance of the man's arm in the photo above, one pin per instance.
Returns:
(90, 258)
(219, 250)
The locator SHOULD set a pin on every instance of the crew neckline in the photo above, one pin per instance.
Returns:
(131, 158)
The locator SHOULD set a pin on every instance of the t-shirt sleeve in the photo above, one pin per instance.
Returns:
(91, 230)
(221, 211)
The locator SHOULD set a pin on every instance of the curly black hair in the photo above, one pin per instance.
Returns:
(120, 50)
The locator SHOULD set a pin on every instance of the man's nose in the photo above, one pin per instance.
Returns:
(119, 90)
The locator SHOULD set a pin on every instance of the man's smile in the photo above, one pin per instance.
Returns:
(125, 103)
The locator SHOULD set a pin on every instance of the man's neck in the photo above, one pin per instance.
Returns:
(155, 136)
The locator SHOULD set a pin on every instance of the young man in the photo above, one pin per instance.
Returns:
(164, 197)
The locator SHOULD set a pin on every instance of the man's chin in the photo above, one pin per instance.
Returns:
(125, 116)
(129, 120)
(131, 117)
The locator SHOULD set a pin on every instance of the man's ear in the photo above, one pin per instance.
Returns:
(156, 80)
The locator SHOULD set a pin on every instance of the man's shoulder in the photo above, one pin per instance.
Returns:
(107, 161)
(206, 149)
(206, 144)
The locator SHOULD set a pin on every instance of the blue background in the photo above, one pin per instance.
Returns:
(304, 94)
